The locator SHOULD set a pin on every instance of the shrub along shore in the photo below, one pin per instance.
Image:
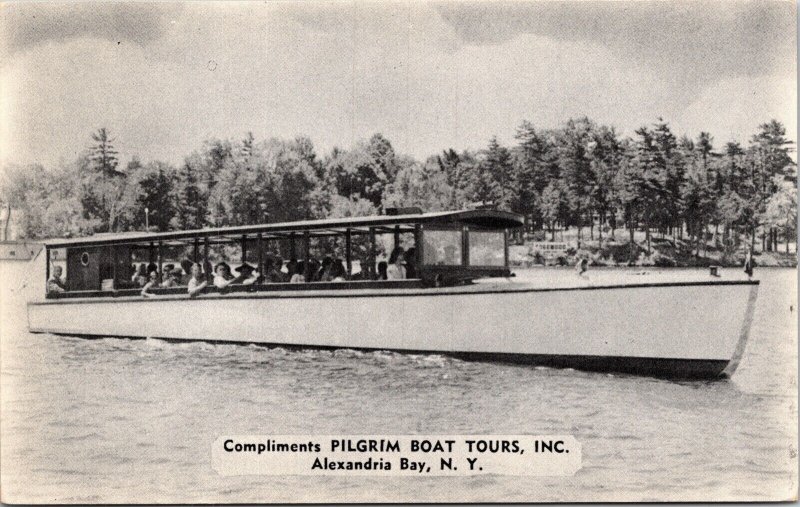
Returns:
(664, 253)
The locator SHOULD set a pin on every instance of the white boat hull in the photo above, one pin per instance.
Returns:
(681, 330)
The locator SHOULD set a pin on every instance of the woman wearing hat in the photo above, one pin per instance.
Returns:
(247, 274)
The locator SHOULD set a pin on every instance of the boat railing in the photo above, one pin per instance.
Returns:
(241, 288)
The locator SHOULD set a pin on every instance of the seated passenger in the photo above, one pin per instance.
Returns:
(267, 269)
(197, 282)
(247, 275)
(324, 272)
(312, 269)
(140, 271)
(177, 274)
(171, 278)
(382, 266)
(411, 262)
(396, 270)
(152, 283)
(338, 273)
(186, 268)
(55, 284)
(296, 270)
(276, 274)
(222, 276)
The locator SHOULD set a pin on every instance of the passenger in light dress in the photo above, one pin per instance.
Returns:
(152, 283)
(197, 282)
(396, 269)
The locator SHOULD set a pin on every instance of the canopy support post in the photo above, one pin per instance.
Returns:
(114, 263)
(396, 236)
(505, 246)
(160, 259)
(244, 249)
(47, 269)
(260, 254)
(306, 247)
(371, 266)
(196, 250)
(347, 254)
(292, 247)
(206, 262)
(465, 246)
(418, 250)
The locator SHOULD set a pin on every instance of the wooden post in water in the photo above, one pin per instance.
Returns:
(347, 255)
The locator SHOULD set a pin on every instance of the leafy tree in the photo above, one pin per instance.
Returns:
(424, 186)
(769, 155)
(365, 170)
(554, 205)
(459, 169)
(781, 210)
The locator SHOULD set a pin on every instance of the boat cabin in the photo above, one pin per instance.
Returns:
(439, 248)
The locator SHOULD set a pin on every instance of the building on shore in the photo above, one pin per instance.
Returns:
(11, 246)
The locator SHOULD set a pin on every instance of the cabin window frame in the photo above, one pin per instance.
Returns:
(459, 228)
(197, 249)
(502, 232)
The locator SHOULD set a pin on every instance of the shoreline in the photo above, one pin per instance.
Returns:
(663, 254)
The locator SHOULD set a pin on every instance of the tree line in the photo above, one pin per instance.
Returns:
(582, 175)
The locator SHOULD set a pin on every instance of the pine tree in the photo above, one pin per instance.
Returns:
(190, 200)
(103, 155)
(155, 194)
(495, 178)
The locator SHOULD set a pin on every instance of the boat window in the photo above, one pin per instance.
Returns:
(487, 248)
(442, 247)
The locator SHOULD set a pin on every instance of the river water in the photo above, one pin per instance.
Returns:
(112, 420)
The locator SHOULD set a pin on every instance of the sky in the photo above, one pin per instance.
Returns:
(164, 78)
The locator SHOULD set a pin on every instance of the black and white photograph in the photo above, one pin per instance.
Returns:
(398, 251)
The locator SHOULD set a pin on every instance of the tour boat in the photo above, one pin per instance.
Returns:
(461, 298)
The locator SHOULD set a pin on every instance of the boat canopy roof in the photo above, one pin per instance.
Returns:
(493, 219)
